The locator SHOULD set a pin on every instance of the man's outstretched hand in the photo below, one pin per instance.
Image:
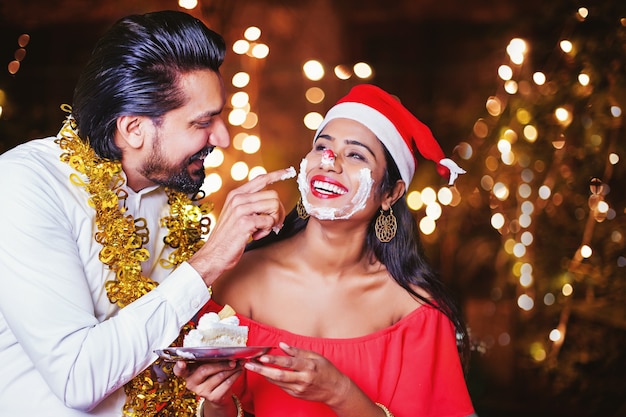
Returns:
(250, 211)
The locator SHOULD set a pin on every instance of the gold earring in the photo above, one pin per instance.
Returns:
(386, 226)
(301, 210)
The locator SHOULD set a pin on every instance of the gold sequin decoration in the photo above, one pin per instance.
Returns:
(156, 390)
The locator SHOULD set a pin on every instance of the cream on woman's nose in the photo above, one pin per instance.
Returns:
(328, 159)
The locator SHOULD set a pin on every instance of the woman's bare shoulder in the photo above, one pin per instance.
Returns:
(404, 303)
(247, 278)
(249, 264)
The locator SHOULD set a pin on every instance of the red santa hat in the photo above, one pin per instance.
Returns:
(396, 127)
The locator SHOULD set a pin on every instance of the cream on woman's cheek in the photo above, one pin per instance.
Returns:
(357, 203)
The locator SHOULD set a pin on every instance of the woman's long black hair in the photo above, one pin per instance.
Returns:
(403, 256)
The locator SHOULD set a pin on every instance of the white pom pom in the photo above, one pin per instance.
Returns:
(455, 170)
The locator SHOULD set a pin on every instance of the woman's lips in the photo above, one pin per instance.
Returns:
(324, 187)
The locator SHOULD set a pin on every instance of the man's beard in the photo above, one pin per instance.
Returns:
(176, 177)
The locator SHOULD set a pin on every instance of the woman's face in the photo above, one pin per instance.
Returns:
(337, 177)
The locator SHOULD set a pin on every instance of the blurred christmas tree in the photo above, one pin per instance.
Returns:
(541, 229)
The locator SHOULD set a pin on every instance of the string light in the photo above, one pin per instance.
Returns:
(343, 72)
(362, 70)
(315, 95)
(312, 120)
(313, 70)
(542, 131)
(414, 200)
(188, 4)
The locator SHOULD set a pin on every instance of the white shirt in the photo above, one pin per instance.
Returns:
(65, 350)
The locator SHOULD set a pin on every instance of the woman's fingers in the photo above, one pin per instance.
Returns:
(288, 368)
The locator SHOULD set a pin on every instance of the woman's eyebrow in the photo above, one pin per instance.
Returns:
(324, 136)
(357, 143)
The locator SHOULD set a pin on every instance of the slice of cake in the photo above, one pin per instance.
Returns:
(218, 329)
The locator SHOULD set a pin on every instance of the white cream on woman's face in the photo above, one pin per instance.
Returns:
(356, 204)
(336, 178)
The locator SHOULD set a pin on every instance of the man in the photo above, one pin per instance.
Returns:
(101, 257)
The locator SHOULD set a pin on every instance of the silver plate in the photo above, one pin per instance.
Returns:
(211, 354)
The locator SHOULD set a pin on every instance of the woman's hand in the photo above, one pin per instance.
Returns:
(212, 381)
(304, 374)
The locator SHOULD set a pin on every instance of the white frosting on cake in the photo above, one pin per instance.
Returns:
(213, 331)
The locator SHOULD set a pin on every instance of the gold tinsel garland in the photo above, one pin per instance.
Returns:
(156, 390)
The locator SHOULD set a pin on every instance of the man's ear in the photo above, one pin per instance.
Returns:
(131, 131)
(396, 192)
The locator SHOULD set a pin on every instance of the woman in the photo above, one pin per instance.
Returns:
(360, 324)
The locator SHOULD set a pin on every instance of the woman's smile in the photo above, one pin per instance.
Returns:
(325, 187)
